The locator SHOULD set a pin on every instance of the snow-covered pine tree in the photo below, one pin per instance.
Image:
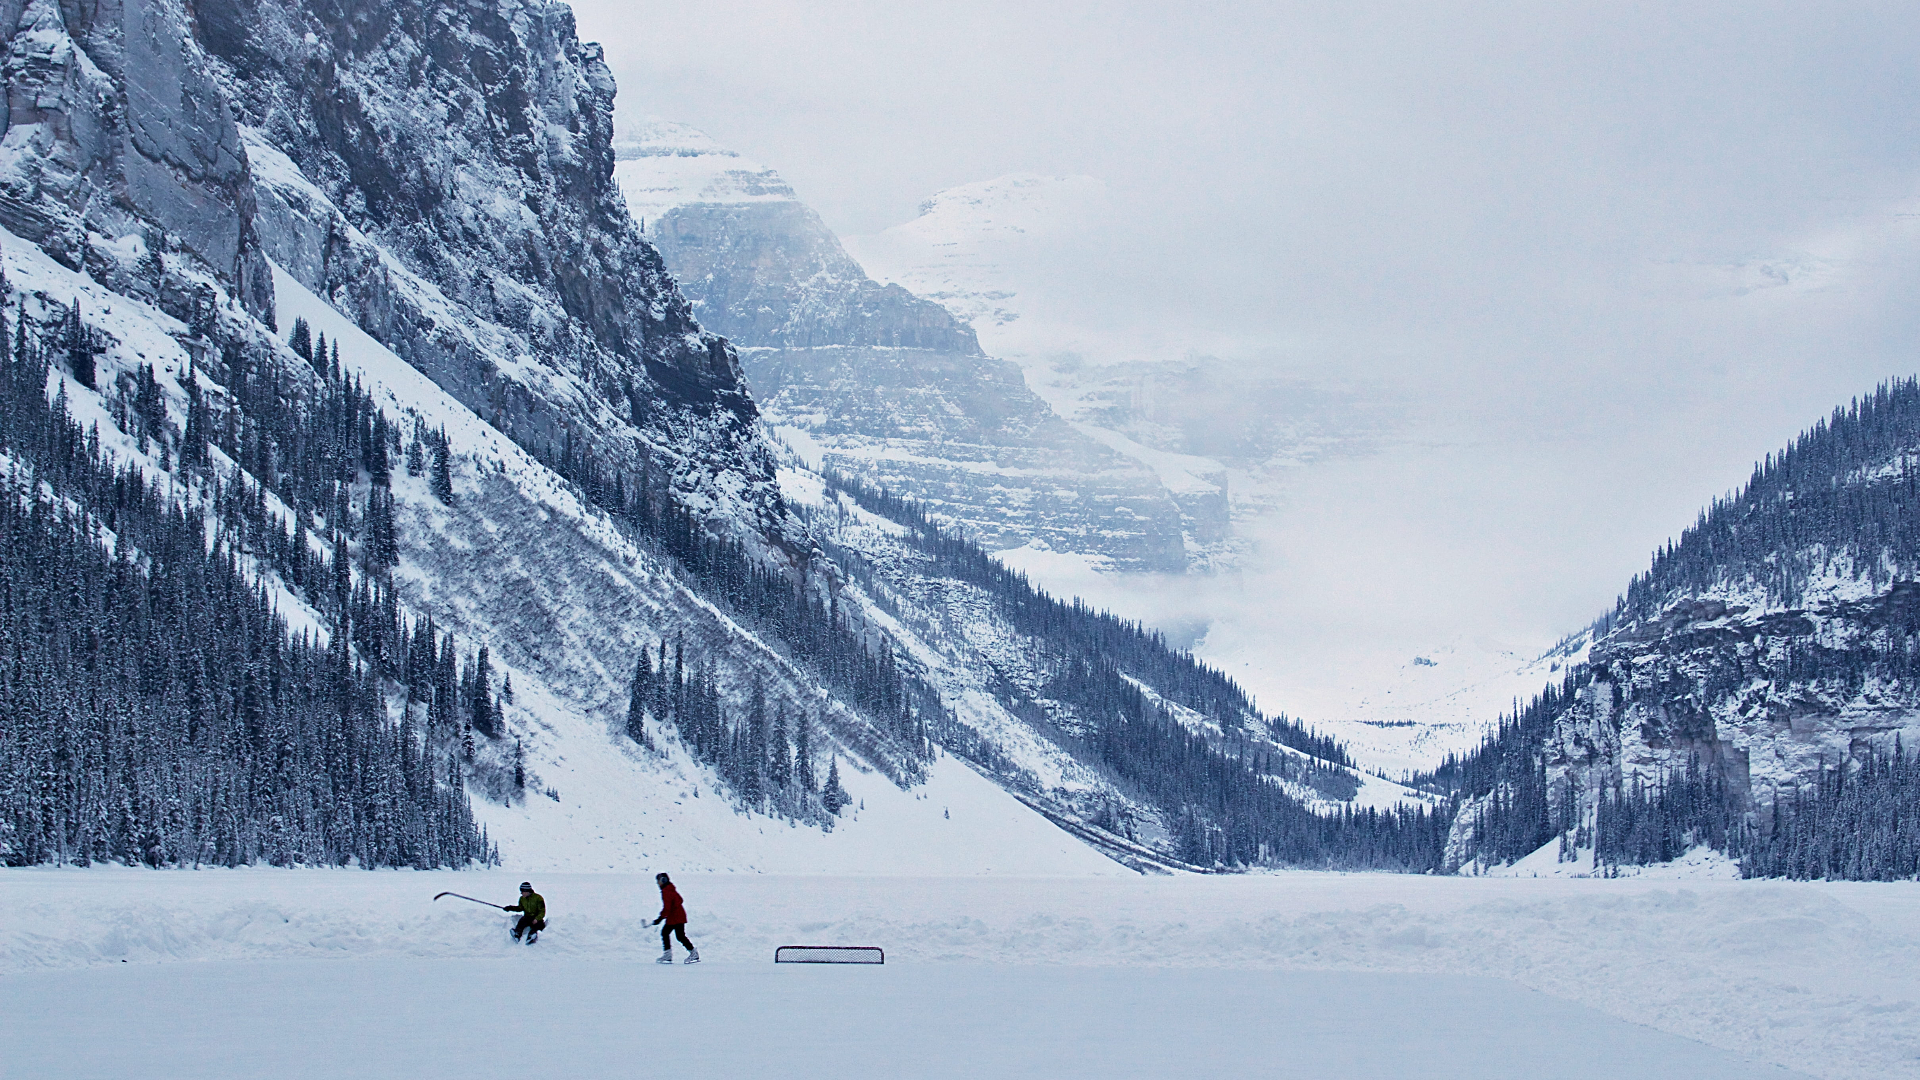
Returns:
(441, 479)
(832, 795)
(803, 752)
(79, 347)
(481, 693)
(779, 754)
(639, 693)
(300, 339)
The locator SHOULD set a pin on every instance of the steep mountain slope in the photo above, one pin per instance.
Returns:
(563, 600)
(1765, 658)
(877, 382)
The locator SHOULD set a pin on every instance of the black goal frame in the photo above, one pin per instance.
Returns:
(798, 954)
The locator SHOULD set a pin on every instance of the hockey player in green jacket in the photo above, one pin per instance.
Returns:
(533, 913)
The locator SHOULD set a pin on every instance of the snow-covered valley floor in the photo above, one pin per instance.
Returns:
(311, 973)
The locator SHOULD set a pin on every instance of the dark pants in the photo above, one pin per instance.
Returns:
(528, 922)
(677, 928)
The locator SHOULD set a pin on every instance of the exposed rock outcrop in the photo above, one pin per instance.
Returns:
(119, 145)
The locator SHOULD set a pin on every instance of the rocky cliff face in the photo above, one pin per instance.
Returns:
(119, 146)
(1768, 696)
(441, 172)
(875, 381)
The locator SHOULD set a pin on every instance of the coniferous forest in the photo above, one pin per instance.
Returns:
(1845, 496)
(157, 707)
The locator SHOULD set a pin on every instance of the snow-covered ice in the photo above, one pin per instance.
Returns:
(1820, 978)
(522, 1017)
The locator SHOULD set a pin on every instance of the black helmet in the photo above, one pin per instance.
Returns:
(661, 877)
(526, 886)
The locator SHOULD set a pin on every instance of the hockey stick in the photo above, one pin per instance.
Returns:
(437, 896)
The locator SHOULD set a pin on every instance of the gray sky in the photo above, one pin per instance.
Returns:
(1618, 251)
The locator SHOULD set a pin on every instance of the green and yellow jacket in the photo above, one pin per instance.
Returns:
(532, 904)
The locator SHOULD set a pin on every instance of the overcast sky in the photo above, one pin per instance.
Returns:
(1624, 248)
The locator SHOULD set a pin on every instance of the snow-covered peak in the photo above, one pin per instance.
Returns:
(661, 164)
(1015, 203)
(653, 136)
(974, 247)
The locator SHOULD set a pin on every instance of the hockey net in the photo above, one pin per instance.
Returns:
(829, 954)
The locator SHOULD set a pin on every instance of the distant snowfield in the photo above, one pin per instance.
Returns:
(1820, 978)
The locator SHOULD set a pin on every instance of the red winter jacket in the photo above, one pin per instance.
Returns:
(671, 910)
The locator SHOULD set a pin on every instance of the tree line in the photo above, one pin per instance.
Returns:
(765, 756)
(157, 707)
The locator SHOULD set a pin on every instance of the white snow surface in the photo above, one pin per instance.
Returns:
(1820, 978)
(513, 1017)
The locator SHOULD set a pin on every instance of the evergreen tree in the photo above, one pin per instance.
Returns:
(639, 692)
(80, 348)
(441, 481)
(484, 720)
(301, 339)
(803, 752)
(832, 795)
(779, 754)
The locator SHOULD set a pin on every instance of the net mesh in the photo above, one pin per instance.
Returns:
(829, 954)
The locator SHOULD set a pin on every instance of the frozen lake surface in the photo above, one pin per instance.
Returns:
(526, 1016)
(121, 972)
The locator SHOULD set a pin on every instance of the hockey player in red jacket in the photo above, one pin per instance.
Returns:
(674, 914)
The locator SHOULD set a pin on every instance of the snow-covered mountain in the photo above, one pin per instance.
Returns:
(872, 380)
(1754, 690)
(1020, 259)
(718, 657)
